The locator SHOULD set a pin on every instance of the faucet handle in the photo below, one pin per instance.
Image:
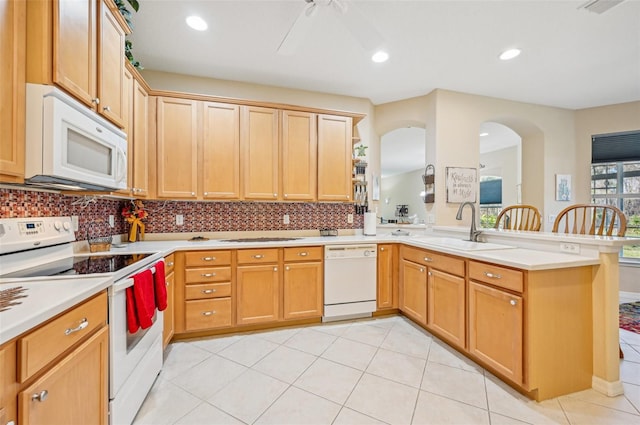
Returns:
(475, 235)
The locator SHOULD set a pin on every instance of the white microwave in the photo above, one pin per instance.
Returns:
(69, 146)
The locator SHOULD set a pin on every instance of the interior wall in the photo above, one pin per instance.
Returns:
(403, 189)
(503, 162)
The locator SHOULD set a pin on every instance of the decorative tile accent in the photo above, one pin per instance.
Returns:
(93, 214)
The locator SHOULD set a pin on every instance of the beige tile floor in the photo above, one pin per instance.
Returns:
(384, 371)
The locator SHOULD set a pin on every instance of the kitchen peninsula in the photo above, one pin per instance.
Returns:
(561, 308)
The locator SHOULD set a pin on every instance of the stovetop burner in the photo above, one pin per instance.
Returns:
(74, 266)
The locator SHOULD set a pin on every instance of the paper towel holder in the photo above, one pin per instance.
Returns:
(428, 179)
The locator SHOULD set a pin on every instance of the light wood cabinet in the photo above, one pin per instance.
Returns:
(139, 142)
(75, 390)
(168, 314)
(177, 148)
(446, 306)
(299, 156)
(79, 46)
(303, 288)
(259, 153)
(8, 384)
(258, 294)
(495, 329)
(220, 151)
(413, 290)
(334, 157)
(387, 277)
(12, 90)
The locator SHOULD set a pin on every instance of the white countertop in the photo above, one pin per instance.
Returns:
(47, 299)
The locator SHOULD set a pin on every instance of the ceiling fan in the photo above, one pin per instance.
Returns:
(359, 27)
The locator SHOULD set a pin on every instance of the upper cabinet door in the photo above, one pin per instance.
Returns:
(75, 48)
(140, 140)
(334, 157)
(259, 152)
(111, 71)
(221, 151)
(299, 156)
(12, 90)
(177, 148)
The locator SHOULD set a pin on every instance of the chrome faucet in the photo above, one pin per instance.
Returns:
(473, 233)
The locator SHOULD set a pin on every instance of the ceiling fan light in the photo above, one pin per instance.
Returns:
(380, 56)
(197, 23)
(510, 54)
(484, 134)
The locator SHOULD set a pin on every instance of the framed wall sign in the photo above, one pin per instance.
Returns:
(563, 187)
(462, 184)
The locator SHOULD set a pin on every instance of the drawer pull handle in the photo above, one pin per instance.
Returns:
(303, 254)
(258, 256)
(41, 396)
(170, 264)
(492, 275)
(207, 274)
(208, 313)
(208, 258)
(513, 302)
(208, 291)
(428, 260)
(83, 324)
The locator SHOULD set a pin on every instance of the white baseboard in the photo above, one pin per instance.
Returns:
(611, 389)
(626, 294)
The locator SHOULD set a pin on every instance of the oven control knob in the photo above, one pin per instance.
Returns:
(66, 225)
(57, 225)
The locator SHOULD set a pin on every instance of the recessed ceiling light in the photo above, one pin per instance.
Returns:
(484, 134)
(380, 56)
(509, 54)
(197, 23)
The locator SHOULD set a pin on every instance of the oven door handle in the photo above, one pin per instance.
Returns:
(123, 284)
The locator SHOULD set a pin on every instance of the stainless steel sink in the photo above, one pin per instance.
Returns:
(460, 244)
(264, 239)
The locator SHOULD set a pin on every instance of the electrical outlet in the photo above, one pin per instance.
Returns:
(112, 221)
(179, 219)
(285, 219)
(74, 223)
(350, 218)
(571, 248)
(552, 218)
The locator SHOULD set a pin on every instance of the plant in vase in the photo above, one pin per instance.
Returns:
(133, 214)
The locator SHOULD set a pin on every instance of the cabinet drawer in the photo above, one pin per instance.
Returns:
(169, 263)
(207, 258)
(207, 274)
(496, 275)
(256, 256)
(43, 345)
(432, 259)
(303, 253)
(205, 314)
(207, 290)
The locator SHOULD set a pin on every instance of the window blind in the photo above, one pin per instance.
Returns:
(615, 147)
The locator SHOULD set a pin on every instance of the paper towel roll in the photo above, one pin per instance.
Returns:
(370, 222)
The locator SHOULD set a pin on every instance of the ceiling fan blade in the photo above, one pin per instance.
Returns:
(299, 30)
(358, 25)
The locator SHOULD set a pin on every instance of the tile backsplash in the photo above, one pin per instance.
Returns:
(93, 214)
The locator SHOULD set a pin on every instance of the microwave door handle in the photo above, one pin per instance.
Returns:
(121, 171)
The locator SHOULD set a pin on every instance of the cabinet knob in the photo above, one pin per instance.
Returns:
(346, 196)
(275, 269)
(275, 195)
(492, 275)
(208, 291)
(170, 264)
(83, 324)
(107, 109)
(207, 274)
(206, 193)
(430, 274)
(421, 270)
(208, 313)
(193, 194)
(208, 258)
(287, 268)
(41, 396)
(513, 302)
(382, 249)
(95, 100)
(166, 283)
(428, 260)
(286, 196)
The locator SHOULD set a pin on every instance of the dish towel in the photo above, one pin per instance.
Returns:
(144, 298)
(160, 286)
(132, 318)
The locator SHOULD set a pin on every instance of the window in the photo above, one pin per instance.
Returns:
(490, 200)
(617, 182)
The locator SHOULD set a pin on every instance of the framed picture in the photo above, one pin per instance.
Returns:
(563, 187)
(462, 184)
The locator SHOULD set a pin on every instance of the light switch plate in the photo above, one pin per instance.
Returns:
(112, 221)
(179, 219)
(571, 248)
(285, 219)
(74, 223)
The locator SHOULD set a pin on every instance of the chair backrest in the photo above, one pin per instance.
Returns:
(591, 219)
(519, 217)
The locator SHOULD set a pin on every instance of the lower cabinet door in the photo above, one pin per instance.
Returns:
(413, 291)
(496, 329)
(207, 314)
(168, 313)
(446, 306)
(303, 290)
(74, 391)
(257, 294)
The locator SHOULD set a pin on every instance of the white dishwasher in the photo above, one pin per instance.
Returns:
(349, 281)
